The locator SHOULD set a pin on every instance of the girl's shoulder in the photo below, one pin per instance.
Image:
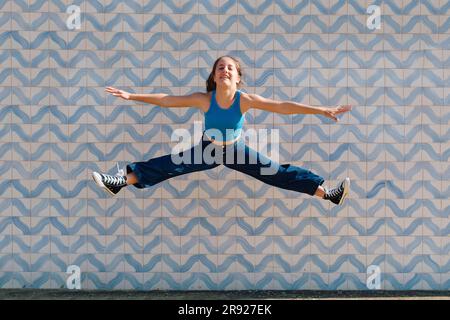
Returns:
(204, 100)
(245, 98)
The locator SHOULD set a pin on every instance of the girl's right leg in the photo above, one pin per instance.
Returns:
(156, 170)
(131, 178)
(162, 168)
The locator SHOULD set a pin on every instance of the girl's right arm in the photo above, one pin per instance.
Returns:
(198, 100)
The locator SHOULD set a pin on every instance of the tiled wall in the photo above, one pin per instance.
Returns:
(220, 229)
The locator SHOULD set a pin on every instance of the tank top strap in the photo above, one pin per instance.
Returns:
(213, 97)
(237, 101)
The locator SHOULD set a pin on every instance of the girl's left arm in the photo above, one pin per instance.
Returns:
(287, 107)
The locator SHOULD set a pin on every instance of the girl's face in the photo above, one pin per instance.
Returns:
(226, 74)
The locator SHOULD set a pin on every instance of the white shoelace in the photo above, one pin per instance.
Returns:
(114, 180)
(335, 192)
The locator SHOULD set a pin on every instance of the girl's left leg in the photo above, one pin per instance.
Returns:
(283, 176)
(320, 192)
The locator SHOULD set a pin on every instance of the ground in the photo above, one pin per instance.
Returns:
(63, 294)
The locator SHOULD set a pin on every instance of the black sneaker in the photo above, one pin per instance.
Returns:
(111, 184)
(338, 194)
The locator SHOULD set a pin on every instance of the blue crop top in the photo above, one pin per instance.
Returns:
(223, 119)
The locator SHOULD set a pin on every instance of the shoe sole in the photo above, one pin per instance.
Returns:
(98, 180)
(346, 190)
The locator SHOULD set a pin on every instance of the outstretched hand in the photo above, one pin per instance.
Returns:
(333, 112)
(118, 93)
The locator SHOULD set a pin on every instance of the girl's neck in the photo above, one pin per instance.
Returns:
(225, 95)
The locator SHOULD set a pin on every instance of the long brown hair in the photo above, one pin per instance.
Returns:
(211, 85)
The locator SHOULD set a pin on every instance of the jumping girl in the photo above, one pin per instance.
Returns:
(224, 107)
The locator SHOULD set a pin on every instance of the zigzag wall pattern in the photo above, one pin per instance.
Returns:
(220, 230)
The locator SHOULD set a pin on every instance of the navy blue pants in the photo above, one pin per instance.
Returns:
(237, 156)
